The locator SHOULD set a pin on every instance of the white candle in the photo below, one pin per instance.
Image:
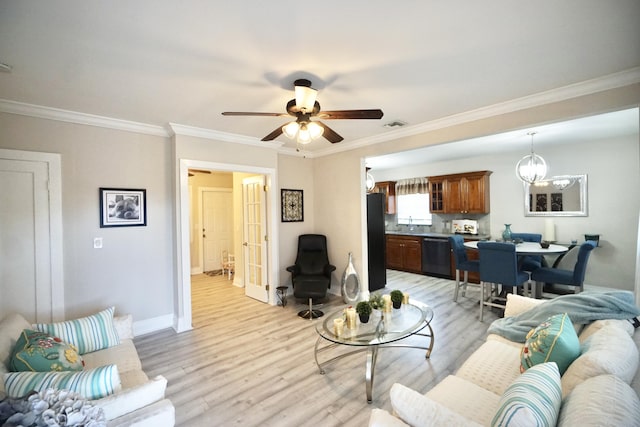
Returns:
(549, 230)
(405, 298)
(387, 302)
(351, 318)
(338, 327)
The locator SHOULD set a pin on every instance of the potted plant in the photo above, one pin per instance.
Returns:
(376, 301)
(396, 298)
(363, 308)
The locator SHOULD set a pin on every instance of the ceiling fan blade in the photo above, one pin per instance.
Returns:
(273, 135)
(351, 114)
(329, 133)
(244, 113)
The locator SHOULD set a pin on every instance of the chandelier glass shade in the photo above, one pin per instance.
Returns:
(370, 182)
(531, 168)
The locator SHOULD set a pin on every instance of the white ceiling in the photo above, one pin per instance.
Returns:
(163, 61)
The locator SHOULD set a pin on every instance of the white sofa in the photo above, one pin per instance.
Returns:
(595, 387)
(140, 400)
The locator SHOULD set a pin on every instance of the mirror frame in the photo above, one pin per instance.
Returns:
(581, 180)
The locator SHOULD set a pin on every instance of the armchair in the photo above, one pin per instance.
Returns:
(311, 273)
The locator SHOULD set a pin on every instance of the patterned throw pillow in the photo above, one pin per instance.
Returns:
(531, 400)
(91, 384)
(554, 340)
(88, 334)
(40, 352)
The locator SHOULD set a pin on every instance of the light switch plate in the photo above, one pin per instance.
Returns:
(97, 243)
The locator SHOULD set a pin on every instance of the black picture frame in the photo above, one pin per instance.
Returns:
(122, 207)
(292, 205)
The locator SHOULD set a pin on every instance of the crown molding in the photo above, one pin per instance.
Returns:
(588, 87)
(178, 129)
(60, 115)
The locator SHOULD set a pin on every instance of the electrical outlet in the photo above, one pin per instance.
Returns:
(97, 243)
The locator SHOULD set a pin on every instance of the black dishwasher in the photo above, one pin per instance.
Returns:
(436, 257)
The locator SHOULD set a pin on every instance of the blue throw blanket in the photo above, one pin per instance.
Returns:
(582, 308)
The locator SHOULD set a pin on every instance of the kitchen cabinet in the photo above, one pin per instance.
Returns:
(388, 188)
(465, 193)
(404, 253)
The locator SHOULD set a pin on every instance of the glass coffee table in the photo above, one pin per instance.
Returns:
(384, 329)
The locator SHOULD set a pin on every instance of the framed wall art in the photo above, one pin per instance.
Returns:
(123, 207)
(292, 205)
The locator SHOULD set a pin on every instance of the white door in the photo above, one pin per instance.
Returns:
(255, 238)
(217, 229)
(26, 268)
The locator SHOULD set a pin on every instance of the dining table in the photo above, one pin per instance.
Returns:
(532, 248)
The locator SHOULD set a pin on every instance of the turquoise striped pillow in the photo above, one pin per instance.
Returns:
(91, 333)
(531, 400)
(91, 384)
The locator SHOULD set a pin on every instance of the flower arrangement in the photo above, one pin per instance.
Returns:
(376, 301)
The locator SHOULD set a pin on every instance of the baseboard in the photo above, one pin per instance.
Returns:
(147, 326)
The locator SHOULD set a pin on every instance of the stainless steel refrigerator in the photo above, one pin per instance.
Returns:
(376, 241)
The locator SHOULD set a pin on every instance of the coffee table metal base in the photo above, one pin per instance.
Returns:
(372, 356)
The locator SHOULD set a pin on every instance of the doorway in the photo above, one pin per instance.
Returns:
(183, 209)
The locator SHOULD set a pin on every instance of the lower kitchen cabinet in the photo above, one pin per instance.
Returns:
(404, 253)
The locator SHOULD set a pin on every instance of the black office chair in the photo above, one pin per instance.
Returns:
(463, 263)
(311, 273)
(573, 277)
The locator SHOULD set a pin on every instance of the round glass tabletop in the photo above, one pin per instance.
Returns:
(382, 327)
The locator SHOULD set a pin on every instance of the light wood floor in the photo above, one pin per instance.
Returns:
(251, 364)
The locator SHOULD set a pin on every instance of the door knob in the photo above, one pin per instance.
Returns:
(245, 244)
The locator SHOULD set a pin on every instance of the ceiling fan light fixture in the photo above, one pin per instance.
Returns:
(315, 130)
(305, 98)
(304, 136)
(290, 129)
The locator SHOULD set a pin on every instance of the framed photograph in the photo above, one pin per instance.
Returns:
(292, 205)
(122, 207)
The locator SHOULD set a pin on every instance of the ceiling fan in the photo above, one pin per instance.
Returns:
(303, 108)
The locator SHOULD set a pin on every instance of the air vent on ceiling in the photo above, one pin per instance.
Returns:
(5, 67)
(395, 124)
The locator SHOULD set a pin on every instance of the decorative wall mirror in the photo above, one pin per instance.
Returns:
(564, 195)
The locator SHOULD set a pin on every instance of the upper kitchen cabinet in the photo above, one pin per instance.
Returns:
(388, 188)
(466, 193)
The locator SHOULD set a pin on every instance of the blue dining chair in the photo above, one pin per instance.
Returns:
(462, 263)
(573, 277)
(529, 262)
(498, 266)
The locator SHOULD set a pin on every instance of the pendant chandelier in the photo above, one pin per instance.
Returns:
(370, 182)
(531, 168)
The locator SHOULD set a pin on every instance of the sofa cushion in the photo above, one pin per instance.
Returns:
(11, 326)
(381, 418)
(554, 340)
(124, 355)
(532, 400)
(599, 401)
(465, 398)
(88, 334)
(132, 398)
(493, 366)
(91, 384)
(595, 326)
(40, 352)
(517, 304)
(416, 409)
(610, 350)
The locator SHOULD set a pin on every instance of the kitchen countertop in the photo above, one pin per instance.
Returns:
(439, 235)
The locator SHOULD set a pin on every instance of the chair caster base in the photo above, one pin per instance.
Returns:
(314, 314)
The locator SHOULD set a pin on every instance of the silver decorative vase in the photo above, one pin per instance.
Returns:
(350, 287)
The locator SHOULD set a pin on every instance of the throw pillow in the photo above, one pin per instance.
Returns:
(554, 340)
(91, 384)
(88, 334)
(531, 400)
(40, 352)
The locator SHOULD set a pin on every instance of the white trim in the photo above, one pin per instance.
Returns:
(147, 326)
(53, 161)
(183, 321)
(587, 87)
(50, 113)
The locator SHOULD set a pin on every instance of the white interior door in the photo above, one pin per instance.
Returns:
(26, 279)
(217, 229)
(255, 238)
